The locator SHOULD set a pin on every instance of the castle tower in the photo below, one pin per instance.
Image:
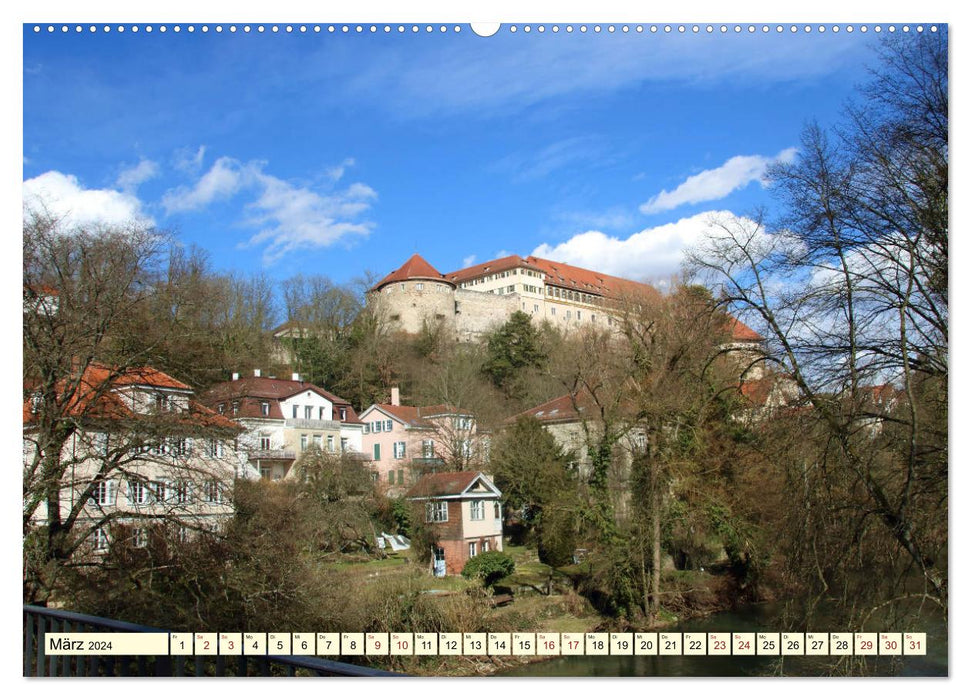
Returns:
(413, 294)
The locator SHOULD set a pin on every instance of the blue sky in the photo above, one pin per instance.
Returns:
(339, 153)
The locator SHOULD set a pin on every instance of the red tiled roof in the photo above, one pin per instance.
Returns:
(251, 392)
(559, 409)
(416, 267)
(492, 266)
(560, 275)
(589, 281)
(444, 484)
(96, 397)
(742, 333)
(416, 416)
(39, 289)
(97, 375)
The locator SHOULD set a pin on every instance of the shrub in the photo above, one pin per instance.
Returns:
(489, 567)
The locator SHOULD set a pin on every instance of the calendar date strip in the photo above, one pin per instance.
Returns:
(486, 644)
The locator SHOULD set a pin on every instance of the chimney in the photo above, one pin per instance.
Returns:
(295, 376)
(235, 376)
(257, 373)
(395, 396)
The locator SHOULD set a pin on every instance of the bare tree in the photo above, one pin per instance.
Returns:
(90, 424)
(850, 289)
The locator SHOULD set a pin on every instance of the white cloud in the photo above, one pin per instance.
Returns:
(708, 185)
(507, 73)
(468, 261)
(188, 161)
(289, 217)
(337, 172)
(568, 152)
(614, 218)
(130, 178)
(655, 252)
(223, 180)
(296, 218)
(64, 196)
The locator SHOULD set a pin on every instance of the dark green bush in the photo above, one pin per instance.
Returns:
(489, 567)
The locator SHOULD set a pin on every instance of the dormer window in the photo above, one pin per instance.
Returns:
(265, 408)
(343, 414)
(235, 408)
(221, 408)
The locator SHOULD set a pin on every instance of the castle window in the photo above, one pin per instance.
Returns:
(419, 286)
(553, 311)
(402, 286)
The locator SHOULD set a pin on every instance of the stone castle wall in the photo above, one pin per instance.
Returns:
(480, 312)
(408, 305)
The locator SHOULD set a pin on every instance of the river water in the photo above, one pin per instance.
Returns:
(753, 618)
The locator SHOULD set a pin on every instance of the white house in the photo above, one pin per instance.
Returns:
(282, 418)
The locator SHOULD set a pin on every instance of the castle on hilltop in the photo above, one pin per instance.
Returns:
(475, 299)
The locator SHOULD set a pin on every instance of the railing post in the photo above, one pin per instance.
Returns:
(41, 624)
(28, 641)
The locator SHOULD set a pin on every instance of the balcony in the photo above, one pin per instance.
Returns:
(312, 424)
(272, 454)
(428, 461)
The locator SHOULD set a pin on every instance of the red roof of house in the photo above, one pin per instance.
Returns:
(97, 398)
(443, 484)
(416, 416)
(39, 289)
(416, 267)
(252, 392)
(96, 375)
(559, 409)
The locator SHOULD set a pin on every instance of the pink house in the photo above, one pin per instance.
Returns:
(404, 442)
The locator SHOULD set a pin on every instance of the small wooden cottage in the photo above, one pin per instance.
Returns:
(465, 512)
